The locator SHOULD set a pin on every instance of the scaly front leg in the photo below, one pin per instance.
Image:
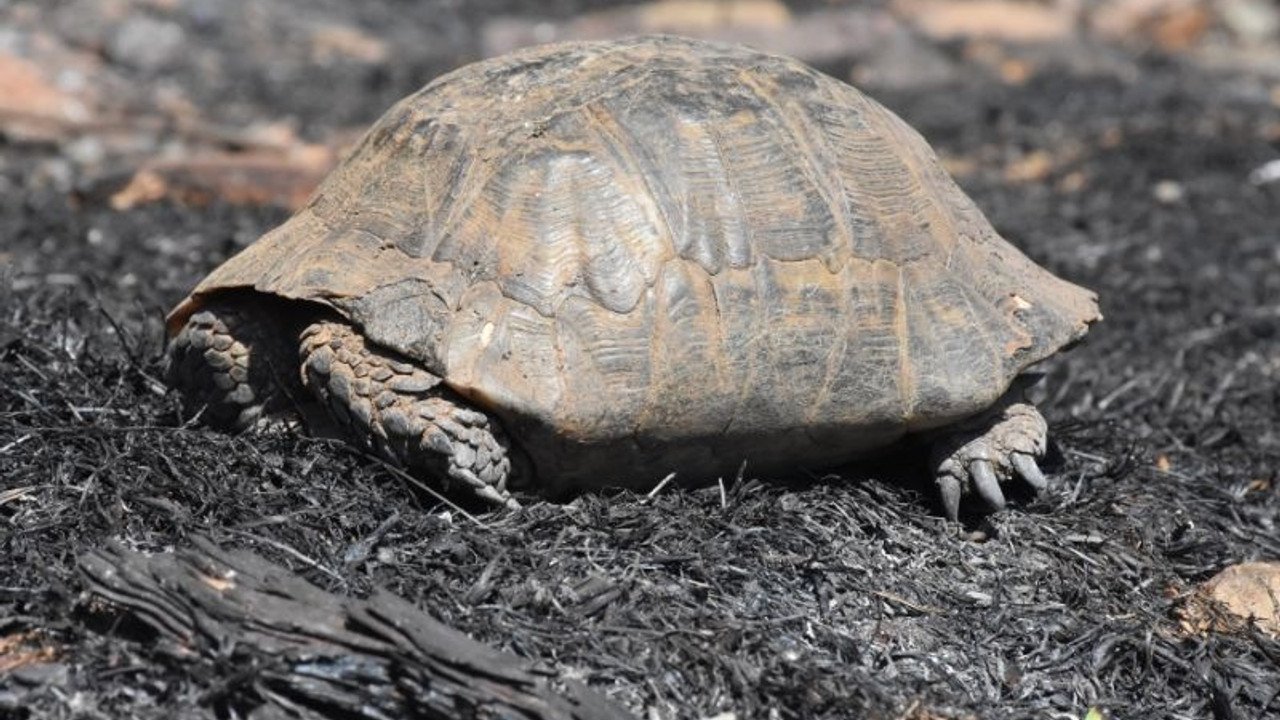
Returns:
(404, 412)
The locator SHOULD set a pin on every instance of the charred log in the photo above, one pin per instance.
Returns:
(290, 649)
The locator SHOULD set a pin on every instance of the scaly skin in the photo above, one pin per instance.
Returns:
(232, 370)
(404, 412)
(239, 374)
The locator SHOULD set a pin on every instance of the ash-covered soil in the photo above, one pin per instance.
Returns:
(1138, 173)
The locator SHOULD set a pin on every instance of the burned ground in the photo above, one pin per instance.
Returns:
(1138, 174)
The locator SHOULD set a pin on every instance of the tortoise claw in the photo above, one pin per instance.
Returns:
(986, 483)
(989, 449)
(949, 490)
(483, 490)
(490, 494)
(1028, 470)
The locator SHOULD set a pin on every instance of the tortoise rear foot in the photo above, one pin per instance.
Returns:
(229, 369)
(404, 413)
(991, 449)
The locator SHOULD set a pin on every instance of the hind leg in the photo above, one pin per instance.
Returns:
(232, 368)
(995, 447)
(404, 412)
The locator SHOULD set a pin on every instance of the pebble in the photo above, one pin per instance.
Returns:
(146, 43)
(1168, 192)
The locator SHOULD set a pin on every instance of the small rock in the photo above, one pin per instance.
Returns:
(40, 673)
(978, 598)
(1008, 20)
(905, 61)
(818, 36)
(32, 106)
(678, 15)
(1032, 167)
(1181, 30)
(330, 43)
(146, 43)
(1168, 192)
(1073, 182)
(1171, 24)
(1254, 21)
(1265, 173)
(1250, 590)
(88, 150)
(255, 177)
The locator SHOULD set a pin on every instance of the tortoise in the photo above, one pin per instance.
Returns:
(593, 264)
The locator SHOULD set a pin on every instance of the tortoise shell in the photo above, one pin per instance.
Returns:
(661, 253)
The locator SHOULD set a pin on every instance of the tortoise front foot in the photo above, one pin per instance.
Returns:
(993, 448)
(229, 369)
(404, 413)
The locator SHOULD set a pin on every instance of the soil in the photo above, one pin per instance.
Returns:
(1135, 170)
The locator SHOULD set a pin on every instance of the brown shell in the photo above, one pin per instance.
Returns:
(662, 254)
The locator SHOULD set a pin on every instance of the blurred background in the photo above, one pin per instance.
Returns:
(248, 101)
